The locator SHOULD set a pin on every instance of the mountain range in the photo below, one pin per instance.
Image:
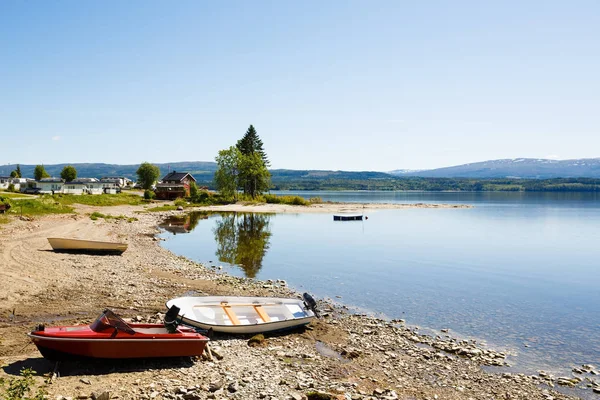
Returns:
(525, 168)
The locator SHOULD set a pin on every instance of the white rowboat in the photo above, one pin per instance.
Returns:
(232, 314)
(86, 246)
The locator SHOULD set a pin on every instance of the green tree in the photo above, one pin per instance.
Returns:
(254, 175)
(193, 190)
(251, 143)
(16, 173)
(68, 173)
(228, 171)
(147, 175)
(39, 172)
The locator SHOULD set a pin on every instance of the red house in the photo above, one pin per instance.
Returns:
(174, 184)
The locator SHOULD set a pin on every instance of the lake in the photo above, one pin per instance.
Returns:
(518, 271)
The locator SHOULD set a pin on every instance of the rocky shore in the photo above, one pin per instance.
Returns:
(340, 356)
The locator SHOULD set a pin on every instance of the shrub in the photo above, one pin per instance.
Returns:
(205, 197)
(20, 388)
(11, 187)
(292, 200)
(180, 202)
(149, 195)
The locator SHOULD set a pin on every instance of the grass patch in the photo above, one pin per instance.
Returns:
(39, 206)
(162, 208)
(274, 199)
(101, 200)
(291, 200)
(4, 219)
(11, 195)
(96, 215)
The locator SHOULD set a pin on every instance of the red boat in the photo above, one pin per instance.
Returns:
(111, 337)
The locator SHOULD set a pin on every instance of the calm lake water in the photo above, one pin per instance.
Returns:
(519, 271)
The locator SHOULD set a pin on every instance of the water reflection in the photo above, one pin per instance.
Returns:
(243, 239)
(183, 223)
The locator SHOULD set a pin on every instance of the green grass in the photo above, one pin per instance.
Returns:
(11, 195)
(162, 208)
(96, 215)
(39, 206)
(102, 200)
(273, 199)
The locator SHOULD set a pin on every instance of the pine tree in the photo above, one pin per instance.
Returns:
(18, 170)
(251, 143)
(254, 176)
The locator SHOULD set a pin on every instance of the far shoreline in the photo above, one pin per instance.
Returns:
(322, 207)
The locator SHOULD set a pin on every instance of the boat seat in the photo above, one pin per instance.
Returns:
(231, 315)
(261, 313)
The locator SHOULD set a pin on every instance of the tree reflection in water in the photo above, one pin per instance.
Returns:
(243, 239)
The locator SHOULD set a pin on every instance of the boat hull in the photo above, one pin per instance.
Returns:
(61, 344)
(86, 246)
(242, 315)
(347, 217)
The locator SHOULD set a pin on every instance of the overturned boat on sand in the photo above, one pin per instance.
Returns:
(86, 246)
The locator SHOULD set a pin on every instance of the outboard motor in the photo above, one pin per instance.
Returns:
(171, 319)
(310, 303)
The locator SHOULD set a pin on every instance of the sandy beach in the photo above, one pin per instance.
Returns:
(341, 356)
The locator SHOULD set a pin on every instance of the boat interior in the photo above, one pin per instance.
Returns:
(246, 314)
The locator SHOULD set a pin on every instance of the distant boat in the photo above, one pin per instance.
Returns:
(244, 314)
(86, 246)
(111, 337)
(348, 217)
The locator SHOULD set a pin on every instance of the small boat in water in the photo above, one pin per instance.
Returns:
(86, 246)
(241, 315)
(111, 337)
(347, 217)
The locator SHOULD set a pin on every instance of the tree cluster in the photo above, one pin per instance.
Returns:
(243, 166)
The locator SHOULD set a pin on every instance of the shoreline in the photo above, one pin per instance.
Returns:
(364, 357)
(325, 207)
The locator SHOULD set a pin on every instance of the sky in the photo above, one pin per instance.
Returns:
(337, 85)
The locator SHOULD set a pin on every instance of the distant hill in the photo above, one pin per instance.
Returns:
(199, 169)
(526, 168)
(461, 177)
(401, 172)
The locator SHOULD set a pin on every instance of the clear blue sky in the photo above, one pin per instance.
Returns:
(351, 85)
